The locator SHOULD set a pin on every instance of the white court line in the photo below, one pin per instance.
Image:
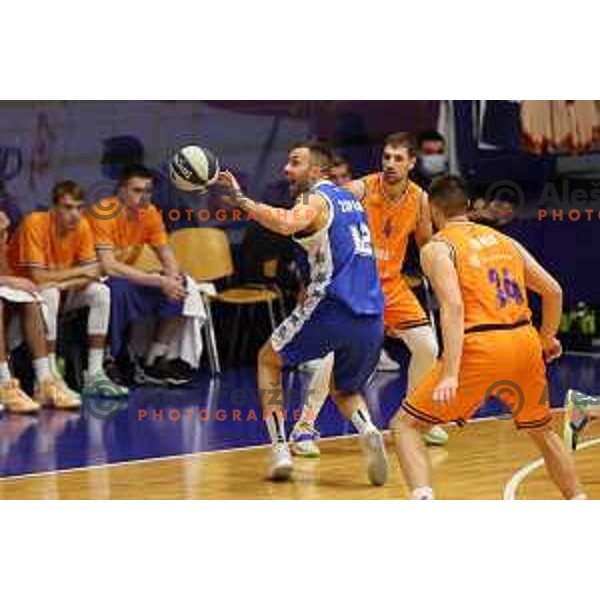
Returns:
(510, 490)
(593, 355)
(138, 461)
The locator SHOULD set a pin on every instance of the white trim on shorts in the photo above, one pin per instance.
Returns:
(321, 274)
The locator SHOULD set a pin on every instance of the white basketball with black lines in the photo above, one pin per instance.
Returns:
(193, 169)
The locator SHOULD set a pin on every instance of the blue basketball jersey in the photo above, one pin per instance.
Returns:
(339, 259)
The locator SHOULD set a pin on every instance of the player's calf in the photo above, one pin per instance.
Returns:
(558, 460)
(412, 454)
(271, 397)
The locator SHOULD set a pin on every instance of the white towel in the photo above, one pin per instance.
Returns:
(187, 342)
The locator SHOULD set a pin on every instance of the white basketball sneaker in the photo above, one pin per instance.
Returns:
(280, 466)
(376, 458)
(436, 436)
(304, 441)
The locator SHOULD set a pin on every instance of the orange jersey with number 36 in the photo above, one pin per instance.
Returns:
(491, 274)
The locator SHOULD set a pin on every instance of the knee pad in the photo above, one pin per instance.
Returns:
(100, 295)
(98, 319)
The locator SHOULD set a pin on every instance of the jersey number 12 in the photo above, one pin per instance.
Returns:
(361, 236)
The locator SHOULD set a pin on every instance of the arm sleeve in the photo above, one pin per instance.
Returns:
(32, 249)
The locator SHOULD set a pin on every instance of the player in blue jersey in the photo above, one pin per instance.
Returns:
(341, 310)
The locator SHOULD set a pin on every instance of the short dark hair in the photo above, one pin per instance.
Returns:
(338, 161)
(431, 135)
(450, 194)
(402, 139)
(320, 152)
(134, 170)
(70, 187)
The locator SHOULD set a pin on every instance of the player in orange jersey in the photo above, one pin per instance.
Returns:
(56, 250)
(396, 208)
(19, 298)
(122, 225)
(480, 278)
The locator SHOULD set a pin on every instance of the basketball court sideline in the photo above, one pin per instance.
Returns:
(160, 447)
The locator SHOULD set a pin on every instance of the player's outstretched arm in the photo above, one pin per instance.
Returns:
(538, 280)
(308, 215)
(438, 267)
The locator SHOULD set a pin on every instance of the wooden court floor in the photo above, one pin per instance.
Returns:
(480, 461)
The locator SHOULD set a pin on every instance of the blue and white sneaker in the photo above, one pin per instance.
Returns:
(304, 441)
(577, 416)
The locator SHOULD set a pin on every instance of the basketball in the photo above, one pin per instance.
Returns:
(193, 169)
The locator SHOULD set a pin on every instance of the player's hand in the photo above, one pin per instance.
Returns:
(19, 283)
(4, 221)
(93, 272)
(445, 390)
(228, 181)
(551, 348)
(4, 225)
(173, 288)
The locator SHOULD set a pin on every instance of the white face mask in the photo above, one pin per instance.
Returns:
(433, 164)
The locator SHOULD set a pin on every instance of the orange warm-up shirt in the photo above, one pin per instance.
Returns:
(127, 236)
(37, 243)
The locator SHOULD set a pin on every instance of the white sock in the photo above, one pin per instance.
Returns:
(318, 391)
(41, 367)
(53, 366)
(95, 360)
(276, 427)
(156, 351)
(361, 419)
(5, 375)
(422, 493)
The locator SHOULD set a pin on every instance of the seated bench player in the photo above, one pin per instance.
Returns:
(19, 299)
(122, 225)
(56, 250)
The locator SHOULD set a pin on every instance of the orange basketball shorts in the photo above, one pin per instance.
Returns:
(502, 364)
(402, 308)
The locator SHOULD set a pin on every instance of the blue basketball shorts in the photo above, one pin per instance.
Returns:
(355, 340)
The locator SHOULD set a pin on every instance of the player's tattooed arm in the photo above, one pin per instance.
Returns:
(439, 268)
(424, 229)
(308, 215)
